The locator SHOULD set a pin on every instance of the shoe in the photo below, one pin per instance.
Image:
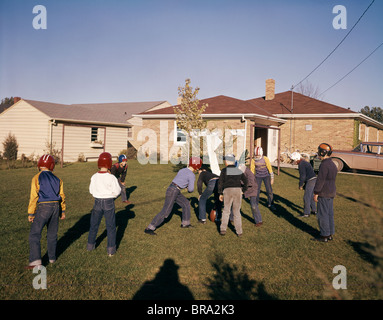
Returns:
(202, 221)
(187, 226)
(330, 238)
(320, 239)
(150, 231)
(28, 267)
(52, 261)
(126, 202)
(305, 216)
(272, 207)
(313, 212)
(258, 224)
(222, 233)
(110, 254)
(239, 235)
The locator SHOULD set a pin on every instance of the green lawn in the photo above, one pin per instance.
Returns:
(275, 261)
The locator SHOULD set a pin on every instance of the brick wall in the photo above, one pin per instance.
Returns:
(307, 134)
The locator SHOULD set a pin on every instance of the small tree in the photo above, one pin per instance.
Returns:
(189, 112)
(11, 148)
(375, 113)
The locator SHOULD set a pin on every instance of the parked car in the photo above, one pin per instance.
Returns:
(366, 156)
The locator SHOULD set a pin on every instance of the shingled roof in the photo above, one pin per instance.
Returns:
(116, 113)
(219, 106)
(281, 105)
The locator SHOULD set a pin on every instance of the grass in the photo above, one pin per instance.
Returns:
(275, 261)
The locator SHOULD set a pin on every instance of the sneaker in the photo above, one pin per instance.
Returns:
(305, 215)
(126, 202)
(110, 254)
(329, 238)
(52, 261)
(272, 207)
(321, 239)
(150, 231)
(222, 233)
(313, 212)
(202, 221)
(187, 226)
(258, 224)
(239, 235)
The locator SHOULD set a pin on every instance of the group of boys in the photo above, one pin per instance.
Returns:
(47, 199)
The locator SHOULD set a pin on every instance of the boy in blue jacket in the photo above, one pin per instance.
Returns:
(46, 207)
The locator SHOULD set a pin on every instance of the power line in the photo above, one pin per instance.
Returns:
(353, 69)
(335, 47)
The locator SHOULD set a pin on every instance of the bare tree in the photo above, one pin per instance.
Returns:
(308, 89)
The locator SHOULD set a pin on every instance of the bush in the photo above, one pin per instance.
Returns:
(11, 148)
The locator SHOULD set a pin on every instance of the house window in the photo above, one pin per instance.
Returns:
(309, 127)
(130, 133)
(179, 135)
(94, 134)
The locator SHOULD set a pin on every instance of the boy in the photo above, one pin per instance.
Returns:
(104, 188)
(263, 171)
(119, 171)
(324, 193)
(185, 178)
(231, 183)
(47, 198)
(251, 194)
(307, 179)
(211, 181)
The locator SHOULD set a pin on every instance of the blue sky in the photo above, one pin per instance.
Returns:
(122, 50)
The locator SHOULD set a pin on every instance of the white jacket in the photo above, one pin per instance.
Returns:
(104, 185)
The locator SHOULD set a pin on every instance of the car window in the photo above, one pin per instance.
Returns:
(367, 148)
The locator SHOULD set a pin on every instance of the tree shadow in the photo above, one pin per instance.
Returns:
(230, 283)
(165, 285)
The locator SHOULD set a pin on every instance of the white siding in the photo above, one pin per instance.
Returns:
(77, 140)
(29, 125)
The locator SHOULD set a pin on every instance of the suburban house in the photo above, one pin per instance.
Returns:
(283, 122)
(310, 122)
(73, 131)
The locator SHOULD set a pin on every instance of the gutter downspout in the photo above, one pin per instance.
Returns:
(244, 143)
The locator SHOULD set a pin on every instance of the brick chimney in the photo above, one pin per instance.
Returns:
(270, 89)
(16, 99)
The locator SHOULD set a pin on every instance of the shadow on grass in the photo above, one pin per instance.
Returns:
(365, 251)
(230, 283)
(286, 214)
(165, 285)
(82, 226)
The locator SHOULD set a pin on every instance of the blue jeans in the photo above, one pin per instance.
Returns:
(210, 188)
(269, 189)
(308, 197)
(173, 195)
(255, 210)
(103, 207)
(48, 214)
(326, 216)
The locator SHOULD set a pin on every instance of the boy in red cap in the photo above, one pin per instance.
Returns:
(104, 188)
(185, 178)
(46, 207)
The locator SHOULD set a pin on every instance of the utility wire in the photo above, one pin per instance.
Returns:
(335, 47)
(353, 69)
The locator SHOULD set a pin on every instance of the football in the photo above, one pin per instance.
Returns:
(213, 215)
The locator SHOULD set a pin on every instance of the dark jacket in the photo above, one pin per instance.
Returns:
(232, 177)
(325, 184)
(306, 172)
(119, 172)
(204, 177)
(252, 186)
